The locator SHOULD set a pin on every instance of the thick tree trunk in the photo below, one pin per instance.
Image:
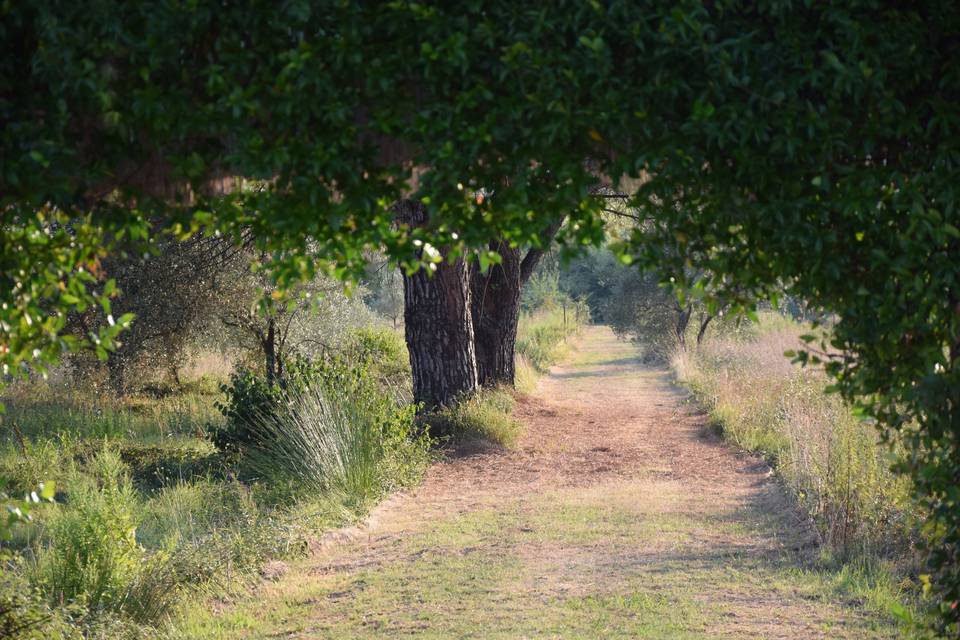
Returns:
(496, 312)
(496, 309)
(438, 325)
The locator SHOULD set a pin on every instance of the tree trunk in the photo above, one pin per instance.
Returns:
(270, 352)
(438, 325)
(116, 369)
(496, 312)
(704, 323)
(683, 319)
(496, 309)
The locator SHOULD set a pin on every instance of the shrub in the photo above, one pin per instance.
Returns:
(377, 357)
(336, 429)
(92, 554)
(348, 442)
(89, 555)
(249, 397)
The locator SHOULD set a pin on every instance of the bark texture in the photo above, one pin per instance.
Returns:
(496, 312)
(496, 309)
(438, 325)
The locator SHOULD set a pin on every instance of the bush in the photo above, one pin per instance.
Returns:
(346, 443)
(150, 511)
(335, 429)
(90, 551)
(375, 356)
(249, 397)
(92, 554)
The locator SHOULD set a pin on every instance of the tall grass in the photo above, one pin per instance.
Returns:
(343, 444)
(542, 336)
(38, 410)
(830, 459)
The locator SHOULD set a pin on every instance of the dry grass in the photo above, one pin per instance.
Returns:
(832, 461)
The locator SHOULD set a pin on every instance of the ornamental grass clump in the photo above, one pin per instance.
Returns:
(334, 438)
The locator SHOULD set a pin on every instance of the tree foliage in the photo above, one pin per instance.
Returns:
(779, 144)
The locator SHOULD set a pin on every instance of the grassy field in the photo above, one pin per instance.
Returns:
(150, 513)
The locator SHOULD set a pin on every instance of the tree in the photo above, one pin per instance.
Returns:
(437, 322)
(170, 292)
(777, 144)
(386, 292)
(307, 319)
(642, 308)
(495, 306)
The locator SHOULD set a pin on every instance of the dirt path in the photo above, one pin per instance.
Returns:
(618, 515)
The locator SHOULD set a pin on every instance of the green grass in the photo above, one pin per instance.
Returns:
(542, 337)
(42, 411)
(149, 514)
(561, 564)
(485, 417)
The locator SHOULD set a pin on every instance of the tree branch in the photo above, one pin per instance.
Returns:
(532, 259)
